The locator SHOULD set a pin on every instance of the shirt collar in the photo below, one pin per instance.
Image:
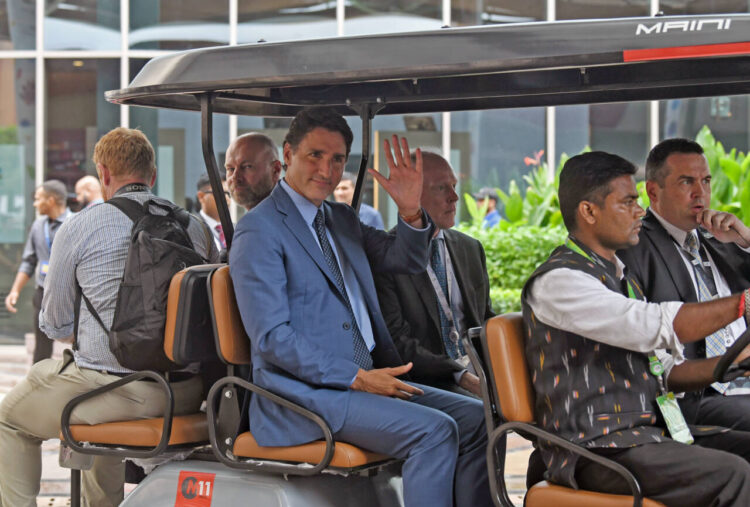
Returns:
(676, 233)
(209, 221)
(61, 217)
(307, 209)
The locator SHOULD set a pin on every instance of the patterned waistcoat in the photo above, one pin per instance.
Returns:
(590, 393)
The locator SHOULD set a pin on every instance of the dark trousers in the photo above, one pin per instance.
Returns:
(679, 475)
(43, 345)
(709, 407)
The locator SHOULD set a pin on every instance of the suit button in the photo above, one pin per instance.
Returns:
(346, 326)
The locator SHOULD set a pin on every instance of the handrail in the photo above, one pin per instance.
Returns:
(268, 466)
(110, 451)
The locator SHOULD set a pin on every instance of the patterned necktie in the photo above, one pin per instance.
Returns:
(361, 355)
(704, 279)
(222, 239)
(453, 349)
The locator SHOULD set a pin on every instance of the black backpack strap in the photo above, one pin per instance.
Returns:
(133, 209)
(77, 312)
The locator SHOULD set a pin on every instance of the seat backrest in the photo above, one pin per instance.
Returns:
(188, 331)
(508, 374)
(232, 343)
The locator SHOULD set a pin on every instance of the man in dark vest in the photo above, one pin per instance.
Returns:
(678, 182)
(590, 343)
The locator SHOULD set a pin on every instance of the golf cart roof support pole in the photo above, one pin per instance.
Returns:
(366, 112)
(212, 167)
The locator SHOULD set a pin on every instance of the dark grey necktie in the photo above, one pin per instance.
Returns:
(361, 355)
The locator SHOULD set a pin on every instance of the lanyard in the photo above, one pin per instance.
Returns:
(654, 365)
(133, 187)
(47, 236)
(442, 300)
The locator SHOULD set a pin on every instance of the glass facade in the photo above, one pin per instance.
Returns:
(58, 58)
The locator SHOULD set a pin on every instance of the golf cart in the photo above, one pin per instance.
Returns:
(453, 69)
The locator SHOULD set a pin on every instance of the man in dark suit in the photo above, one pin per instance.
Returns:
(425, 327)
(302, 272)
(678, 182)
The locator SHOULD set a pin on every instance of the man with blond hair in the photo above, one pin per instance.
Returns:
(89, 252)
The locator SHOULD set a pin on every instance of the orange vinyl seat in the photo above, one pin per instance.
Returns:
(186, 429)
(344, 455)
(507, 387)
(188, 338)
(242, 450)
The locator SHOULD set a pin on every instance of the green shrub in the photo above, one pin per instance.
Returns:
(513, 252)
(532, 225)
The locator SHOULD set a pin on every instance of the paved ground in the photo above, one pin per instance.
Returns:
(55, 487)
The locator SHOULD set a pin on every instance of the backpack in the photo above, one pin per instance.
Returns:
(160, 246)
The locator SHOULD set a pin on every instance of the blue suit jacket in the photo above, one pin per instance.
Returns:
(298, 324)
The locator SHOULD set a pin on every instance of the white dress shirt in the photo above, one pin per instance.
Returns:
(575, 301)
(211, 223)
(734, 329)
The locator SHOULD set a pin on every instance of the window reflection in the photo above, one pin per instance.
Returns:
(282, 20)
(703, 6)
(594, 9)
(82, 24)
(178, 24)
(484, 12)
(17, 113)
(389, 16)
(17, 24)
(498, 142)
(620, 128)
(77, 114)
(726, 116)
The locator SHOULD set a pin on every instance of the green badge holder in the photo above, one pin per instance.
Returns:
(672, 414)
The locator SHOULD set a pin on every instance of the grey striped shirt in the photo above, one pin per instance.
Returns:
(36, 250)
(93, 246)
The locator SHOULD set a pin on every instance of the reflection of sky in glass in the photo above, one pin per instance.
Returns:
(67, 34)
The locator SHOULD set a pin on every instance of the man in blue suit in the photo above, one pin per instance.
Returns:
(302, 275)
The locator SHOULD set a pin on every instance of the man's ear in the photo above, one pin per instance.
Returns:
(287, 154)
(105, 177)
(587, 212)
(652, 189)
(276, 171)
(153, 180)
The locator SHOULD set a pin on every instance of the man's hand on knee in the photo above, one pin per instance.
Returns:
(383, 381)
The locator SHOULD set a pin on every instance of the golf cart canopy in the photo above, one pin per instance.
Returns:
(517, 65)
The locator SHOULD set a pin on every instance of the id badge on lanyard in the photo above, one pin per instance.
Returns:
(44, 265)
(454, 334)
(668, 406)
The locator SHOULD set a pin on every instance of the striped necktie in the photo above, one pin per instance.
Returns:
(438, 267)
(361, 355)
(704, 280)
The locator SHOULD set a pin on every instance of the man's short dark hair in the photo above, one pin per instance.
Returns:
(204, 182)
(55, 189)
(655, 163)
(346, 175)
(309, 119)
(586, 177)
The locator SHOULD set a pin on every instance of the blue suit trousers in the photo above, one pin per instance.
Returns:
(441, 436)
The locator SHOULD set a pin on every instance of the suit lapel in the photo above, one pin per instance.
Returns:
(426, 292)
(297, 226)
(673, 261)
(460, 266)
